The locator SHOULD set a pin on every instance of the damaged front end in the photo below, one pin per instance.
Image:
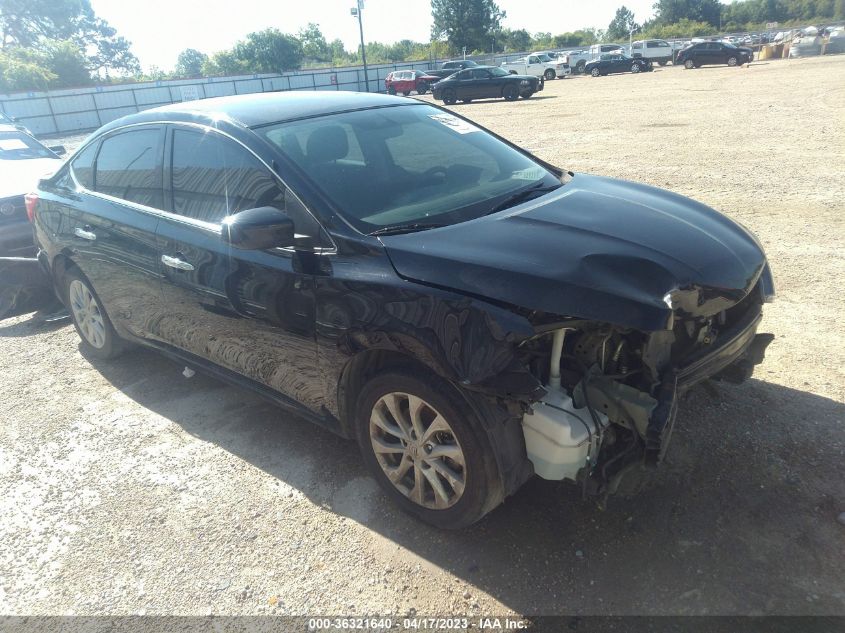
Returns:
(612, 392)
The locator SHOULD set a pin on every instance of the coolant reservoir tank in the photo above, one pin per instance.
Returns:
(559, 438)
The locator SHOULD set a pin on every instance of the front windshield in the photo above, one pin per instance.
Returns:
(499, 72)
(403, 165)
(19, 146)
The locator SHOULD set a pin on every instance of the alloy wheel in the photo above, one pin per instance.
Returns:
(87, 314)
(417, 450)
(732, 61)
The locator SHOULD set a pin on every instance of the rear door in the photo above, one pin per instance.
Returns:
(250, 312)
(108, 217)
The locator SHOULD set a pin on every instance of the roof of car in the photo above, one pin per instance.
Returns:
(254, 110)
(4, 127)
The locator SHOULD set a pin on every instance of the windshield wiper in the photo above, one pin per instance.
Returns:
(405, 228)
(521, 196)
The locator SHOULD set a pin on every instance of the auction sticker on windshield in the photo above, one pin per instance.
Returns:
(10, 144)
(458, 125)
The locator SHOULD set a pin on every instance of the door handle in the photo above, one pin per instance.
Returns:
(175, 262)
(85, 235)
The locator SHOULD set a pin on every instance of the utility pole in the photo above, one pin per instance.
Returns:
(356, 12)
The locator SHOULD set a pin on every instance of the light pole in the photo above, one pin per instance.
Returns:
(356, 12)
(631, 40)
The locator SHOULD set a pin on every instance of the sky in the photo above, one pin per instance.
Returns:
(160, 29)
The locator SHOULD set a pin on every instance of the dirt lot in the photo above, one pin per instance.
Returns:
(125, 488)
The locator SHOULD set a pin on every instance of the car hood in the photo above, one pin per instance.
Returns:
(598, 249)
(18, 177)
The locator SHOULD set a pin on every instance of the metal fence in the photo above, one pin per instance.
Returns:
(82, 109)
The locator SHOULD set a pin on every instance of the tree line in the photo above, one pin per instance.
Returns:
(61, 43)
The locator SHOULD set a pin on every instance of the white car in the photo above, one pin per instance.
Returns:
(656, 51)
(538, 65)
(23, 161)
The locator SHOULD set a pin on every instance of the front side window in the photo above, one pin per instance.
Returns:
(128, 166)
(212, 177)
(418, 164)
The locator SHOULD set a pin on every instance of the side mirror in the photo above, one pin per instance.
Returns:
(58, 149)
(258, 229)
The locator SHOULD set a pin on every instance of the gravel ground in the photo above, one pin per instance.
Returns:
(125, 488)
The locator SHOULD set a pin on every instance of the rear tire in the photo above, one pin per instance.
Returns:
(549, 74)
(689, 64)
(96, 333)
(580, 66)
(446, 477)
(733, 61)
(422, 88)
(595, 72)
(510, 93)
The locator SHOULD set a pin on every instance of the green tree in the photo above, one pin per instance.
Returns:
(23, 69)
(34, 24)
(465, 23)
(671, 11)
(189, 63)
(67, 63)
(269, 51)
(314, 45)
(622, 24)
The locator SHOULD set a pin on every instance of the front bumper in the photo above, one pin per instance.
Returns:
(739, 344)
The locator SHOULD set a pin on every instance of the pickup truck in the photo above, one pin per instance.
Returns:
(538, 65)
(451, 67)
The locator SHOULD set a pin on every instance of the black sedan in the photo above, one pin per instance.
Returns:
(468, 313)
(610, 63)
(485, 82)
(714, 53)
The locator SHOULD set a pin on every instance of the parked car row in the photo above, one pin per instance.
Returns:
(471, 318)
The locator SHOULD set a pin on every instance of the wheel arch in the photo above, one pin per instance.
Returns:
(500, 421)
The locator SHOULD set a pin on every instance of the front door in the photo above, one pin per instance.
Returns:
(251, 312)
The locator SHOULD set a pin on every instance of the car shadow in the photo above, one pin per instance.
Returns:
(534, 97)
(740, 519)
(30, 326)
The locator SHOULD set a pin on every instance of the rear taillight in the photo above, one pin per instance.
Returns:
(31, 201)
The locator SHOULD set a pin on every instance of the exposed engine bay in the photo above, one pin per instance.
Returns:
(612, 392)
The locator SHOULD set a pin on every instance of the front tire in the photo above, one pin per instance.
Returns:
(510, 93)
(549, 74)
(391, 90)
(422, 88)
(425, 447)
(97, 335)
(527, 95)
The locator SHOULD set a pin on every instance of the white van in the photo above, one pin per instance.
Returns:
(656, 51)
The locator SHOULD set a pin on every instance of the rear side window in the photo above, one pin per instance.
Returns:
(129, 167)
(83, 166)
(213, 177)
